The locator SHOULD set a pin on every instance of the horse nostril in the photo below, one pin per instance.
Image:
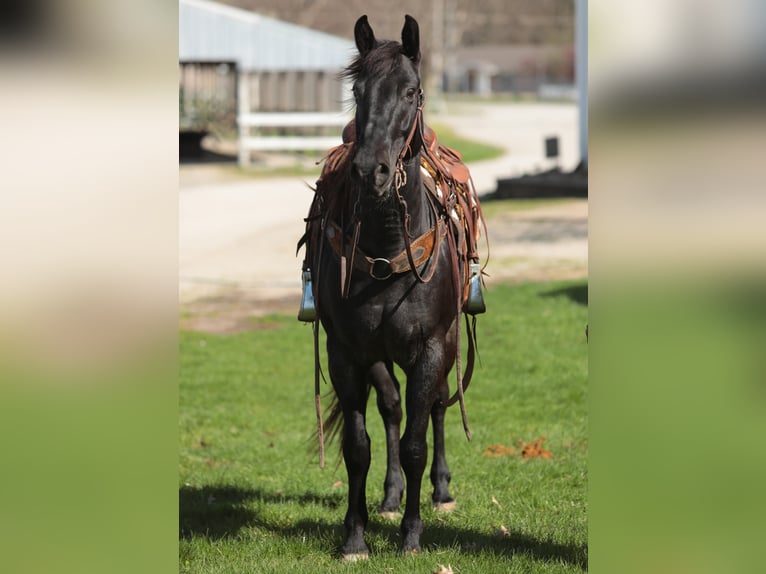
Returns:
(381, 173)
(378, 173)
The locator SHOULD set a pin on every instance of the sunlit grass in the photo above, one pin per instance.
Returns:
(470, 149)
(252, 498)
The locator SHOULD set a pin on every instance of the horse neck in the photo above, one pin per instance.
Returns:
(382, 230)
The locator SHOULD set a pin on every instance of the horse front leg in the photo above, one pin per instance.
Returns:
(351, 388)
(422, 383)
(440, 474)
(390, 408)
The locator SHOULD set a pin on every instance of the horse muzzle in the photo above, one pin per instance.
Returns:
(377, 177)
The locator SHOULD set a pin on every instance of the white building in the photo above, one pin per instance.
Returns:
(233, 62)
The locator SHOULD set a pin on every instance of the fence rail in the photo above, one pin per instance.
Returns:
(287, 122)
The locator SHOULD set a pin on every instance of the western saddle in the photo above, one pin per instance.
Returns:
(449, 182)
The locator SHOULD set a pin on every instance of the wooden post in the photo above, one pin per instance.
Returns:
(321, 91)
(258, 97)
(243, 107)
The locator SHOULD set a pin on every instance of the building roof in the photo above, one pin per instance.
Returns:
(213, 32)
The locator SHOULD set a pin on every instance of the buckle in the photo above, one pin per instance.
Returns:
(381, 269)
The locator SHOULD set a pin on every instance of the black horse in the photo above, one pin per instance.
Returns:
(388, 286)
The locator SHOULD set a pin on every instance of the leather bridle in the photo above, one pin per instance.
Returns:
(437, 231)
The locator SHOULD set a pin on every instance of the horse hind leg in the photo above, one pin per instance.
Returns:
(440, 474)
(390, 407)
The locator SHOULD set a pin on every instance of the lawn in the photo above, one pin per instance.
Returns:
(470, 150)
(253, 498)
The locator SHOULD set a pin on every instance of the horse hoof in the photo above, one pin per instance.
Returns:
(445, 507)
(355, 557)
(390, 514)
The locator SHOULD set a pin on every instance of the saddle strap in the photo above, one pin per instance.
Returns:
(317, 394)
(471, 359)
(380, 268)
(317, 362)
(458, 360)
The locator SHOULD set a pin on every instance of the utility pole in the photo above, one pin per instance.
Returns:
(450, 43)
(581, 73)
(434, 92)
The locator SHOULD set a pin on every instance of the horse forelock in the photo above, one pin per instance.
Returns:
(381, 60)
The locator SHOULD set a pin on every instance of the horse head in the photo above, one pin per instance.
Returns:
(388, 98)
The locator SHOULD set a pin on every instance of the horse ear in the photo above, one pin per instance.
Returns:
(364, 36)
(411, 39)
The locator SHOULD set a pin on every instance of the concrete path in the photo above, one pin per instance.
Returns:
(241, 234)
(521, 130)
(237, 236)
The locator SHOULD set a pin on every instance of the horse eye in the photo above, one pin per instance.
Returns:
(411, 93)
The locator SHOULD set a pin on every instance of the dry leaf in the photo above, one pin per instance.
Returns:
(336, 484)
(495, 450)
(444, 569)
(503, 531)
(494, 501)
(535, 449)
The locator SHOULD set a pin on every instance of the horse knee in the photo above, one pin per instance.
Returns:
(356, 446)
(413, 453)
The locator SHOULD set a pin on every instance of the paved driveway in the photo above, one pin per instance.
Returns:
(521, 130)
(237, 236)
(241, 234)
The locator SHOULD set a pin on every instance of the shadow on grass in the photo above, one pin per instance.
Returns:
(471, 542)
(217, 512)
(220, 511)
(577, 293)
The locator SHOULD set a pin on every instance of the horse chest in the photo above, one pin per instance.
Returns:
(389, 328)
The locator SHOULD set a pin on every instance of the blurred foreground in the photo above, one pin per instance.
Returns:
(89, 234)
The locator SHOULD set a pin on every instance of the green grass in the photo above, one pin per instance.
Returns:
(253, 499)
(471, 150)
(302, 168)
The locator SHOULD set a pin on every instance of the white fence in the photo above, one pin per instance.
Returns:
(292, 127)
(567, 92)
